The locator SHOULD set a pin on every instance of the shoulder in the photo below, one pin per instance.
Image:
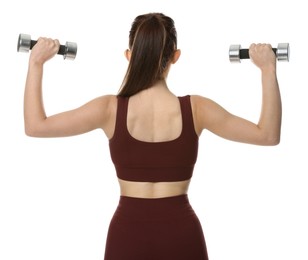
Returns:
(106, 110)
(199, 103)
(106, 102)
(108, 99)
(202, 103)
(205, 112)
(102, 107)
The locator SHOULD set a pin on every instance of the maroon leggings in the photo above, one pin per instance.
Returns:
(155, 229)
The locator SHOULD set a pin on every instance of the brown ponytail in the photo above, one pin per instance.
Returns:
(152, 41)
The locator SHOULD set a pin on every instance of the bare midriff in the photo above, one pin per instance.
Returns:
(152, 190)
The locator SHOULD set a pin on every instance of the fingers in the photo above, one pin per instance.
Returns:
(262, 55)
(48, 44)
(44, 49)
(260, 48)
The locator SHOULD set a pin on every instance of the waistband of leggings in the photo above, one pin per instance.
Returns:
(175, 206)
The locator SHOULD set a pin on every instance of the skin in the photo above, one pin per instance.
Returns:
(151, 113)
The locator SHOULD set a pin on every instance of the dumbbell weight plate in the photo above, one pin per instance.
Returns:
(24, 43)
(71, 51)
(283, 52)
(234, 53)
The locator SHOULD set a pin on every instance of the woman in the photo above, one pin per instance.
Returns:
(153, 137)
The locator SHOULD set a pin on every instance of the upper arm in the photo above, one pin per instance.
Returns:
(213, 117)
(97, 113)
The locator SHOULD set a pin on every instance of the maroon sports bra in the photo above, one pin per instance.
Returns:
(165, 161)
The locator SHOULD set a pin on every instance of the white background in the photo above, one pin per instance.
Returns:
(57, 196)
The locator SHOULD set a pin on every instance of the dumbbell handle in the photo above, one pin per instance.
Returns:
(62, 49)
(244, 53)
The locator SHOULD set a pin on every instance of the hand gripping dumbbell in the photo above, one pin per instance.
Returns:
(69, 50)
(236, 53)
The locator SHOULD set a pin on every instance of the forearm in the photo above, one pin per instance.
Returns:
(271, 113)
(34, 113)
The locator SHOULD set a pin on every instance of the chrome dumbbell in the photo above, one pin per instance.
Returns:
(236, 53)
(24, 44)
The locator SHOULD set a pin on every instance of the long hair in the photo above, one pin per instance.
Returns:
(152, 41)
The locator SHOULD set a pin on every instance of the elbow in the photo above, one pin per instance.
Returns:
(272, 140)
(35, 128)
(28, 130)
(32, 131)
(269, 136)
